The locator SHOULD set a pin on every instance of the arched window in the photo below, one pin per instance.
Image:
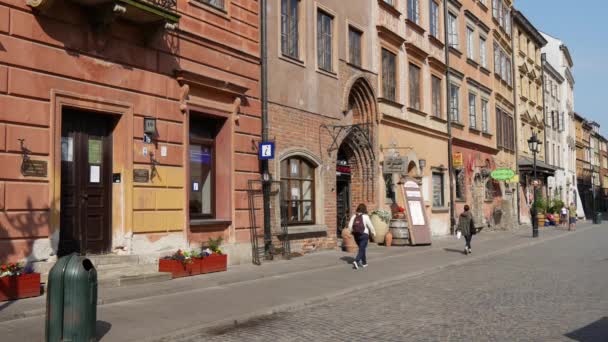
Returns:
(298, 191)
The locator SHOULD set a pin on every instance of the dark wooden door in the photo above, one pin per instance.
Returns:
(342, 202)
(86, 179)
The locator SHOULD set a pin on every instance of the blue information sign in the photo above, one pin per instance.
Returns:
(267, 150)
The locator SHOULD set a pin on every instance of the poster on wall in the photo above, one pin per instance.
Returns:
(420, 231)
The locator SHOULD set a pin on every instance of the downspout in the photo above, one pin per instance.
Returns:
(449, 120)
(515, 120)
(543, 59)
(266, 178)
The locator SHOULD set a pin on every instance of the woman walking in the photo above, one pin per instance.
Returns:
(572, 225)
(361, 226)
(466, 226)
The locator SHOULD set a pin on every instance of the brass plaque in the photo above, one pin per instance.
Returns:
(34, 168)
(141, 176)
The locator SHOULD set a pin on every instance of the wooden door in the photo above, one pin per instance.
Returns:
(86, 179)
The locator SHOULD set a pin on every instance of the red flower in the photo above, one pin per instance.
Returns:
(11, 265)
(401, 209)
(3, 267)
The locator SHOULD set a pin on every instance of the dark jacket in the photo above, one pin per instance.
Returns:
(465, 223)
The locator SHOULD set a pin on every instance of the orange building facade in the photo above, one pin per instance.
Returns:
(127, 129)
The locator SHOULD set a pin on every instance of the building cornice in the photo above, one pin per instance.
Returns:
(527, 26)
(389, 36)
(554, 73)
(566, 52)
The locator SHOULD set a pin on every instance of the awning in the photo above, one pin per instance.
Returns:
(526, 165)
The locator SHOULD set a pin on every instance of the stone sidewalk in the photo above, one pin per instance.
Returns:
(149, 312)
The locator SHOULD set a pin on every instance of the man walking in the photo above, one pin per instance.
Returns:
(466, 226)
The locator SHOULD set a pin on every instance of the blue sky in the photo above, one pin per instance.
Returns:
(583, 26)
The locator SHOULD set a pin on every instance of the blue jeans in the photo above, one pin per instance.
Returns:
(362, 240)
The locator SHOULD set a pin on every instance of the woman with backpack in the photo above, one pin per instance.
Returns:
(361, 226)
(466, 227)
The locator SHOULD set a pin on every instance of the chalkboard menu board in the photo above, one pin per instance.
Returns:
(420, 231)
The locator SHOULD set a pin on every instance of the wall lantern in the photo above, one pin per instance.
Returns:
(422, 164)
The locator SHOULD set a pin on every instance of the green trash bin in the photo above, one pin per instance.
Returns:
(71, 300)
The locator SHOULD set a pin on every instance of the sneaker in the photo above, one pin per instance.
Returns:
(470, 251)
(356, 264)
(466, 251)
(364, 265)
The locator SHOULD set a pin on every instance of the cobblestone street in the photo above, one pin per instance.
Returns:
(555, 291)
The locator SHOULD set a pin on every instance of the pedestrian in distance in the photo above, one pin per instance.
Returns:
(466, 227)
(572, 221)
(564, 216)
(361, 227)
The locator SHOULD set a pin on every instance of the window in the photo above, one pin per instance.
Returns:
(508, 21)
(470, 43)
(454, 110)
(297, 191)
(452, 31)
(436, 90)
(496, 59)
(289, 28)
(434, 19)
(415, 87)
(505, 130)
(202, 168)
(495, 8)
(354, 41)
(390, 2)
(215, 3)
(472, 110)
(460, 185)
(389, 72)
(438, 190)
(499, 129)
(483, 53)
(413, 11)
(485, 124)
(503, 66)
(324, 41)
(509, 72)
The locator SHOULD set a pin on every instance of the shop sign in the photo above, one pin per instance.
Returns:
(141, 176)
(343, 169)
(514, 180)
(266, 150)
(503, 174)
(395, 165)
(458, 160)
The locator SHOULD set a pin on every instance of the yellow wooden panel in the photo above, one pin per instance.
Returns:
(169, 199)
(147, 221)
(173, 220)
(144, 199)
(175, 176)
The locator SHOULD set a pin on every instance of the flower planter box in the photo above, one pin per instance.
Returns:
(214, 263)
(177, 268)
(17, 287)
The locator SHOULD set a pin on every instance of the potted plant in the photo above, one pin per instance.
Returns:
(214, 260)
(180, 264)
(541, 210)
(380, 219)
(16, 283)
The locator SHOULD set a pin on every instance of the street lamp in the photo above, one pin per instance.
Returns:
(534, 145)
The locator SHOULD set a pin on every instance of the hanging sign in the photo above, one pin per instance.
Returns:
(420, 231)
(458, 160)
(266, 150)
(395, 165)
(503, 174)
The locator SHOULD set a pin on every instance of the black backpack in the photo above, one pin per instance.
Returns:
(358, 225)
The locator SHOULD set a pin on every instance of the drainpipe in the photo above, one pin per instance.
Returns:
(449, 120)
(516, 121)
(266, 178)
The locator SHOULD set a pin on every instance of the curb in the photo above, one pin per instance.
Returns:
(315, 301)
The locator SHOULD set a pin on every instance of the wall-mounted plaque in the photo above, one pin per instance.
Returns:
(34, 168)
(141, 176)
(395, 165)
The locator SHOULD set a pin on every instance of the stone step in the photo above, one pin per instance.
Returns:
(135, 279)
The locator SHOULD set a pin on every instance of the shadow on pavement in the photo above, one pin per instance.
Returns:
(101, 329)
(452, 250)
(347, 259)
(594, 332)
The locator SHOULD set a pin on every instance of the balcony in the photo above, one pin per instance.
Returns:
(138, 11)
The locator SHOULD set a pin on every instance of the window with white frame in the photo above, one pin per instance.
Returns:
(325, 41)
(289, 28)
(470, 43)
(298, 189)
(453, 30)
(434, 18)
(496, 59)
(413, 11)
(436, 93)
(483, 52)
(485, 116)
(215, 3)
(438, 190)
(472, 110)
(454, 103)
